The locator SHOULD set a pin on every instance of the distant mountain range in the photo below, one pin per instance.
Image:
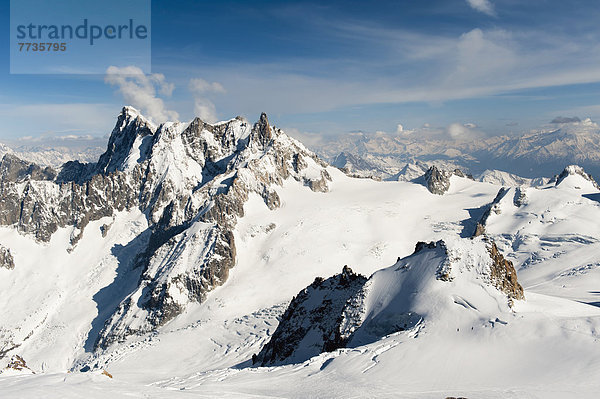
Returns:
(52, 155)
(528, 155)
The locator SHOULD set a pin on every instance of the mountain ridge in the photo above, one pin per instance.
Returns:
(190, 180)
(418, 292)
(528, 155)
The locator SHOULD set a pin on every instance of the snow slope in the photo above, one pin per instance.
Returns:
(553, 237)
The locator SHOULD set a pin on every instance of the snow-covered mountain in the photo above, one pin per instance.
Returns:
(187, 248)
(52, 155)
(530, 155)
(183, 186)
(417, 293)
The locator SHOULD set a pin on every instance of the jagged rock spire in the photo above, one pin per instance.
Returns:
(130, 124)
(262, 133)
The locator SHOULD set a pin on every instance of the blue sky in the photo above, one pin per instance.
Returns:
(501, 65)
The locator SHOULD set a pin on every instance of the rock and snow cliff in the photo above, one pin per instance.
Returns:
(189, 180)
(426, 288)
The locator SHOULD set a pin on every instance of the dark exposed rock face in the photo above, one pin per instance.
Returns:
(520, 197)
(460, 173)
(13, 169)
(311, 323)
(129, 127)
(503, 274)
(479, 229)
(191, 182)
(437, 180)
(6, 258)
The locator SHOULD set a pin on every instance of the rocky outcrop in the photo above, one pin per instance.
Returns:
(575, 170)
(17, 365)
(311, 323)
(503, 274)
(6, 258)
(520, 197)
(460, 173)
(437, 180)
(321, 184)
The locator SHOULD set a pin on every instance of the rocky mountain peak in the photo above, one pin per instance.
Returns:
(311, 323)
(130, 126)
(191, 182)
(437, 180)
(575, 170)
(262, 133)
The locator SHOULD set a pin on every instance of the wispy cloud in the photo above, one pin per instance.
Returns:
(140, 90)
(484, 6)
(203, 107)
(408, 67)
(199, 85)
(463, 131)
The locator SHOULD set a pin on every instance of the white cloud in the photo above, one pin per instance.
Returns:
(401, 131)
(205, 110)
(140, 91)
(463, 131)
(477, 56)
(199, 85)
(398, 65)
(203, 107)
(484, 6)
